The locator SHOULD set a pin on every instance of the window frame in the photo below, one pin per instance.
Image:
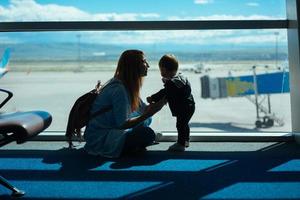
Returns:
(288, 24)
(141, 25)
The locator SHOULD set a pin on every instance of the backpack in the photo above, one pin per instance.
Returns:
(80, 114)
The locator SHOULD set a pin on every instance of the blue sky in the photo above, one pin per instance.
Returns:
(164, 8)
(182, 7)
(118, 10)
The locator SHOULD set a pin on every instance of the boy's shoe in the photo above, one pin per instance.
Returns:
(158, 136)
(176, 147)
(187, 143)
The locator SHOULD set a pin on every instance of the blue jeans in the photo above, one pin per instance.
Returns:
(138, 139)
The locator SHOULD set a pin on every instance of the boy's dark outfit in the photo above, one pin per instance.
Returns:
(181, 102)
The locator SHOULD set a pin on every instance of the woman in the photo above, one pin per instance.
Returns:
(123, 128)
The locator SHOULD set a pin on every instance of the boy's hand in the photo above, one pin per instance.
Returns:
(149, 99)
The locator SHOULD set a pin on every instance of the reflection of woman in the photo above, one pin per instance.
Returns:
(124, 127)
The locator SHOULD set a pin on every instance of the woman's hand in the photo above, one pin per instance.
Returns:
(153, 108)
(150, 110)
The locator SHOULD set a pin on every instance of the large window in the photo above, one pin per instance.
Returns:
(215, 40)
(49, 70)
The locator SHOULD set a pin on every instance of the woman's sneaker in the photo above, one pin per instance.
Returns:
(176, 148)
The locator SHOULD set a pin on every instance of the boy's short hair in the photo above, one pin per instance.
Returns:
(169, 62)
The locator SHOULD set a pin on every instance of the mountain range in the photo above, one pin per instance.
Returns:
(108, 52)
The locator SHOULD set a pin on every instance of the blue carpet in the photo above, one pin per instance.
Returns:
(71, 174)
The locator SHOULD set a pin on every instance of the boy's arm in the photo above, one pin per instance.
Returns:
(159, 95)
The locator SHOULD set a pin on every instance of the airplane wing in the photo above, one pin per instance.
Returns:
(4, 62)
(5, 58)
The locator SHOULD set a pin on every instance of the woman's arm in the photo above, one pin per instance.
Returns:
(149, 111)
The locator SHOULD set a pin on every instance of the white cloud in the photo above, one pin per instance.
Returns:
(150, 37)
(8, 40)
(224, 17)
(203, 1)
(30, 10)
(252, 4)
(204, 37)
(250, 37)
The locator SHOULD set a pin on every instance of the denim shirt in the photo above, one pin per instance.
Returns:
(103, 135)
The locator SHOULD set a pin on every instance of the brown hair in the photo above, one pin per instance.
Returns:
(169, 62)
(129, 72)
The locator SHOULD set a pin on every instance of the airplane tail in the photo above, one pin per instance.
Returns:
(5, 58)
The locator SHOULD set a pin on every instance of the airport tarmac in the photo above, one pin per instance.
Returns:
(56, 92)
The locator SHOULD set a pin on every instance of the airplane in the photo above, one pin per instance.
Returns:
(257, 85)
(4, 62)
(201, 68)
